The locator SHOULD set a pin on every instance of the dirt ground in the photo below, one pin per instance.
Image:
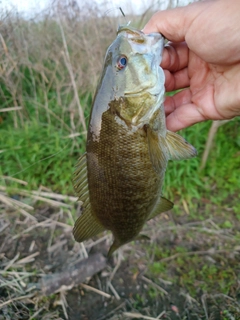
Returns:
(190, 269)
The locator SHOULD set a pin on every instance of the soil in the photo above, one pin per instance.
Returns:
(135, 290)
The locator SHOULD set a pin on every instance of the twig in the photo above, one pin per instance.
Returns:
(16, 299)
(25, 183)
(28, 259)
(11, 284)
(137, 316)
(211, 134)
(154, 285)
(64, 303)
(20, 204)
(74, 135)
(165, 282)
(70, 70)
(54, 203)
(29, 274)
(161, 314)
(37, 313)
(43, 194)
(93, 243)
(113, 290)
(10, 109)
(115, 268)
(47, 224)
(11, 262)
(56, 245)
(4, 227)
(204, 306)
(10, 203)
(54, 195)
(89, 288)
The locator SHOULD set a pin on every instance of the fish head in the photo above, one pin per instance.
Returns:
(132, 81)
(138, 86)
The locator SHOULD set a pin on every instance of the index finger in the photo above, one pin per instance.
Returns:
(172, 24)
(175, 56)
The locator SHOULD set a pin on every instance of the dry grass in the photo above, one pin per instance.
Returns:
(33, 246)
(61, 52)
(53, 63)
(31, 250)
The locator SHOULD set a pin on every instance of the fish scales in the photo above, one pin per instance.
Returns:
(120, 177)
(128, 186)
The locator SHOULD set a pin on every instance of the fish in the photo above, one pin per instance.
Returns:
(119, 178)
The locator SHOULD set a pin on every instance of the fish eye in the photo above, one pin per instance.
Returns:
(121, 62)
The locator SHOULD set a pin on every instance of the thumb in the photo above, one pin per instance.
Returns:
(173, 24)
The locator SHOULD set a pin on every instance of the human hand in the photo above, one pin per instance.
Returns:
(204, 58)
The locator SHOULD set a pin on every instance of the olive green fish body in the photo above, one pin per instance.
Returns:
(120, 178)
(123, 185)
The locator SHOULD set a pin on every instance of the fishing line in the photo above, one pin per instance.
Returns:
(33, 164)
(121, 10)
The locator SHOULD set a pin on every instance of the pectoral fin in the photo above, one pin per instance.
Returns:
(171, 147)
(158, 151)
(178, 147)
(162, 206)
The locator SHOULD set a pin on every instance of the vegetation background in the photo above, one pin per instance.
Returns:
(49, 68)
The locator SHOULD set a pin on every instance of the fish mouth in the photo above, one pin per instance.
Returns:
(140, 37)
(131, 30)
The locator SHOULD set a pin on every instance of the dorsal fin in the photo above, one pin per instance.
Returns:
(86, 225)
(80, 176)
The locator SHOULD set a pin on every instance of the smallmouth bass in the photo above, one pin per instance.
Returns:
(119, 179)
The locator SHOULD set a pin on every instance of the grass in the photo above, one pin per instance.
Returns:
(48, 76)
(42, 153)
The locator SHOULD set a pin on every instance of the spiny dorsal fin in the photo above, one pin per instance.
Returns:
(178, 147)
(162, 206)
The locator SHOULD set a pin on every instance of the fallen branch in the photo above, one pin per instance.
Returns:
(73, 276)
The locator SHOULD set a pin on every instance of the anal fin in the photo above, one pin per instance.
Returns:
(162, 205)
(142, 237)
(86, 226)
